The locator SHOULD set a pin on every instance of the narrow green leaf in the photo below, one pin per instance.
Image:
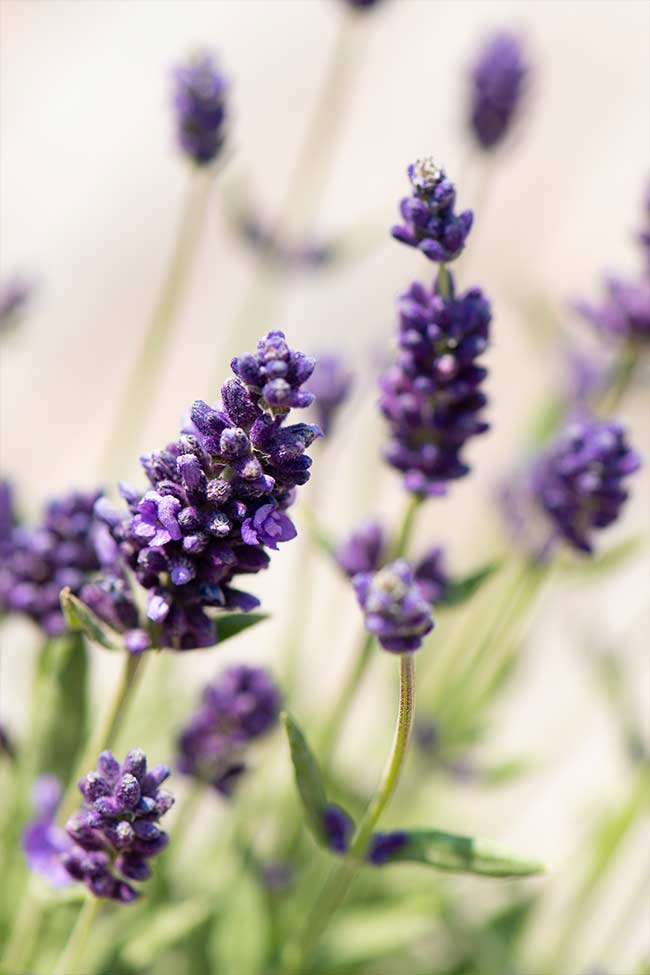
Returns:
(308, 777)
(240, 939)
(462, 854)
(79, 617)
(231, 624)
(460, 590)
(60, 705)
(161, 931)
(505, 772)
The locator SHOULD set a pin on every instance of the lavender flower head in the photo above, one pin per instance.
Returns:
(116, 832)
(241, 705)
(432, 395)
(579, 480)
(219, 496)
(498, 81)
(383, 846)
(200, 103)
(43, 841)
(430, 221)
(330, 384)
(37, 562)
(338, 828)
(624, 314)
(395, 609)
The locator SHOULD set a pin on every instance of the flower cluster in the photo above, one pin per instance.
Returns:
(579, 481)
(330, 384)
(219, 496)
(498, 79)
(116, 832)
(199, 100)
(432, 395)
(395, 609)
(624, 315)
(241, 705)
(366, 550)
(430, 221)
(37, 562)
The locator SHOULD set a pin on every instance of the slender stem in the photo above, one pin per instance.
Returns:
(443, 281)
(348, 693)
(336, 887)
(106, 731)
(70, 960)
(621, 380)
(407, 526)
(146, 366)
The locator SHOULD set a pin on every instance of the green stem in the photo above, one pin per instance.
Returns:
(622, 377)
(407, 526)
(348, 692)
(443, 283)
(336, 887)
(146, 366)
(70, 960)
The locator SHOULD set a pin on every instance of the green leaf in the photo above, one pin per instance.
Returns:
(60, 705)
(231, 624)
(505, 772)
(460, 590)
(308, 777)
(162, 930)
(240, 940)
(598, 565)
(462, 854)
(82, 619)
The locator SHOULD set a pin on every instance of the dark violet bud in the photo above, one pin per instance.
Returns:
(268, 526)
(431, 576)
(241, 705)
(430, 221)
(43, 841)
(364, 550)
(395, 610)
(579, 481)
(15, 297)
(338, 828)
(498, 80)
(432, 396)
(200, 103)
(330, 383)
(624, 314)
(117, 827)
(383, 846)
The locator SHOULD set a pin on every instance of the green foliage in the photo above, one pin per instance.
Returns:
(81, 619)
(460, 590)
(232, 624)
(163, 929)
(308, 777)
(462, 854)
(60, 706)
(240, 938)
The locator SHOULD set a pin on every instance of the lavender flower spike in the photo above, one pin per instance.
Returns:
(395, 610)
(579, 481)
(330, 384)
(624, 315)
(498, 80)
(240, 706)
(430, 222)
(116, 832)
(199, 100)
(432, 396)
(43, 841)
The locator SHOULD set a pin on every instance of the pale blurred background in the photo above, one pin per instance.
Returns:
(91, 187)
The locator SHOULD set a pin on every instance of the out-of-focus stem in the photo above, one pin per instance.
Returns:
(145, 368)
(623, 374)
(305, 188)
(70, 961)
(336, 887)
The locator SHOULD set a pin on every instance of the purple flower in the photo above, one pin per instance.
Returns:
(200, 103)
(395, 610)
(625, 312)
(364, 550)
(383, 846)
(431, 577)
(498, 81)
(362, 4)
(432, 395)
(330, 384)
(241, 705)
(430, 221)
(44, 841)
(37, 562)
(116, 832)
(578, 482)
(308, 255)
(644, 234)
(338, 828)
(219, 497)
(268, 526)
(15, 297)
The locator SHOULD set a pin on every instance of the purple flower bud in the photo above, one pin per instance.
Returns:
(498, 80)
(431, 576)
(383, 846)
(364, 550)
(395, 610)
(624, 315)
(199, 101)
(430, 222)
(338, 828)
(330, 383)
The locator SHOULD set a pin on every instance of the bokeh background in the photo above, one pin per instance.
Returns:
(91, 185)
